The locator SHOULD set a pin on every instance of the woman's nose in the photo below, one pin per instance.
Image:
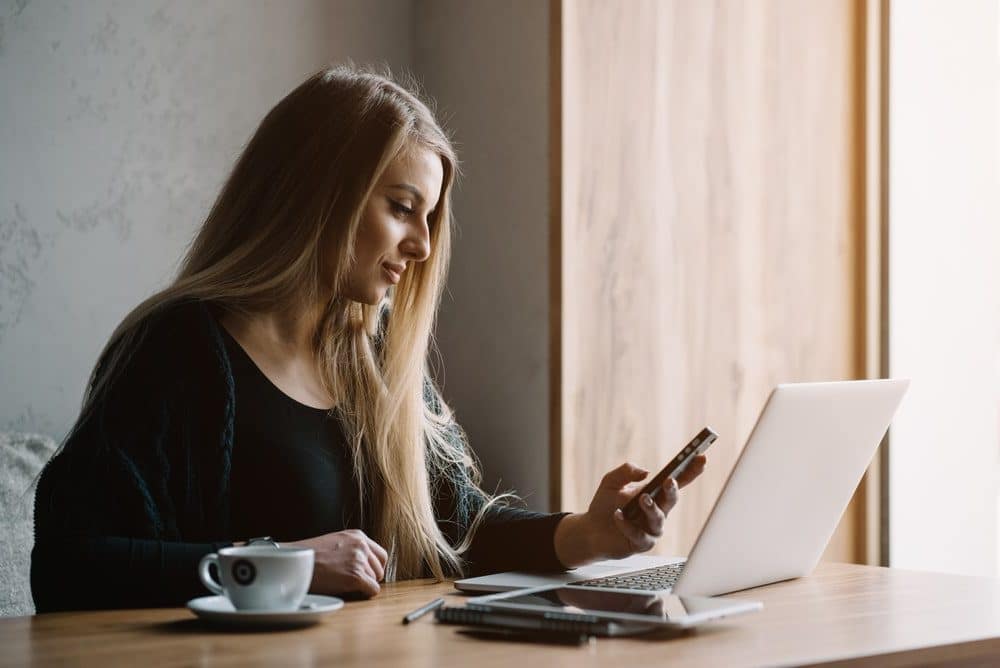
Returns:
(418, 245)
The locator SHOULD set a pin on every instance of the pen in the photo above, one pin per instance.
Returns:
(423, 610)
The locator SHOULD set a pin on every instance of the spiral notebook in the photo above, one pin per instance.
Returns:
(489, 618)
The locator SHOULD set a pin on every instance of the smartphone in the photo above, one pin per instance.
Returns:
(674, 468)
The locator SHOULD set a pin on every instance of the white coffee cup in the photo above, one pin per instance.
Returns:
(260, 577)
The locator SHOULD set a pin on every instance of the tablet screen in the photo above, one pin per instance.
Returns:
(663, 607)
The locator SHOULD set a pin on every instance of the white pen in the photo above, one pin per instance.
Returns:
(423, 610)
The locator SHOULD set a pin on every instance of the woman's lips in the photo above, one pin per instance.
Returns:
(393, 274)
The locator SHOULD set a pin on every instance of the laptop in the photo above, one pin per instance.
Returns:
(778, 508)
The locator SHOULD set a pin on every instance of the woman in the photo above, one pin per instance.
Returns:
(280, 386)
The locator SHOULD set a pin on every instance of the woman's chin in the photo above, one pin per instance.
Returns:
(372, 296)
(376, 297)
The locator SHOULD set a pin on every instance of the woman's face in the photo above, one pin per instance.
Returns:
(394, 229)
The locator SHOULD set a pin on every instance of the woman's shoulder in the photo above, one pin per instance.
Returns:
(168, 360)
(178, 329)
(175, 340)
(180, 322)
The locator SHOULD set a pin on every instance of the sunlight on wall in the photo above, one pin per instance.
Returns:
(944, 301)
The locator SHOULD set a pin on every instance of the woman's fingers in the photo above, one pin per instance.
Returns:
(653, 514)
(374, 554)
(379, 551)
(667, 498)
(618, 477)
(623, 480)
(367, 570)
(378, 570)
(363, 561)
(639, 539)
(692, 471)
(365, 583)
(631, 489)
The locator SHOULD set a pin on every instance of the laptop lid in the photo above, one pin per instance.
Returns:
(791, 484)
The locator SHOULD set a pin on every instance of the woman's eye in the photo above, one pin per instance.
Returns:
(399, 208)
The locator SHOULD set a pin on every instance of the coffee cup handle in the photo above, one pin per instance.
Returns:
(206, 576)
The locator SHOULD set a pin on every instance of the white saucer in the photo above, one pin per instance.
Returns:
(218, 609)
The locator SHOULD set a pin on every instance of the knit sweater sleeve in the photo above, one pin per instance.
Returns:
(106, 510)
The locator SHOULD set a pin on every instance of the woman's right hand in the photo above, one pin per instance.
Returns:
(346, 561)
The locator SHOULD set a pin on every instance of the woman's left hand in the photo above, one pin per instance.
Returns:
(603, 532)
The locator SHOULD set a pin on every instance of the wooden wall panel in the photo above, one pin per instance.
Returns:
(708, 233)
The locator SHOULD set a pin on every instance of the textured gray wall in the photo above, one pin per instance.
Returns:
(118, 122)
(486, 63)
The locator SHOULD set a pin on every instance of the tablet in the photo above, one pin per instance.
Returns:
(575, 603)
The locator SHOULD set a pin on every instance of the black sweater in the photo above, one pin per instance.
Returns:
(140, 490)
(291, 475)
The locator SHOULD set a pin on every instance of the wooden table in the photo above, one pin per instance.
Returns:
(853, 615)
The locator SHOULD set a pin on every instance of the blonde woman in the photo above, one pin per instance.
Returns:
(280, 386)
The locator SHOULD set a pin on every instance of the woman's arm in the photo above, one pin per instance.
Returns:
(121, 515)
(507, 538)
(516, 539)
(96, 525)
(602, 532)
(513, 539)
(91, 572)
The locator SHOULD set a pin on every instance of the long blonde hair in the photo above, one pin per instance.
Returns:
(297, 191)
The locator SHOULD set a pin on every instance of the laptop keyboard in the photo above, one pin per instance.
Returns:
(650, 579)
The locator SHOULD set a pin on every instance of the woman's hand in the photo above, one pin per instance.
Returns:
(603, 532)
(346, 561)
